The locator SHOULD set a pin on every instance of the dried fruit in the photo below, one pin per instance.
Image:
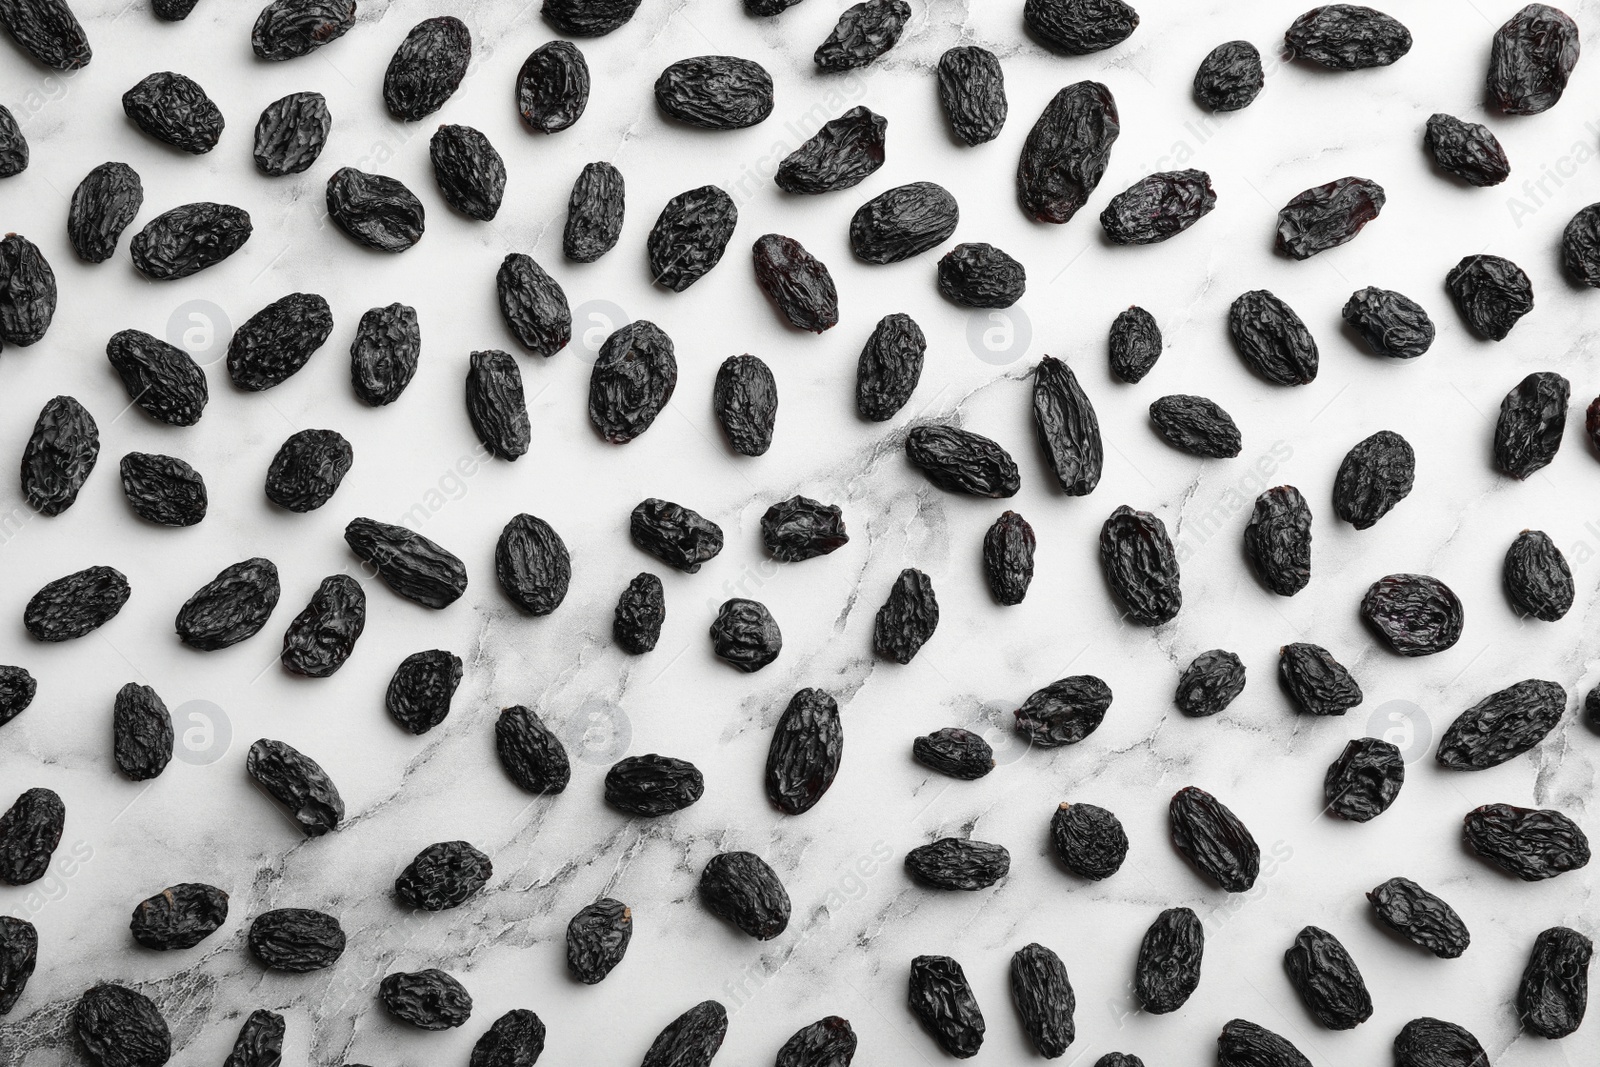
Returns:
(1537, 579)
(588, 18)
(745, 398)
(941, 999)
(533, 304)
(1428, 1042)
(978, 275)
(13, 149)
(1328, 980)
(19, 952)
(230, 608)
(1530, 60)
(48, 31)
(553, 87)
(715, 92)
(119, 1027)
(1420, 917)
(907, 618)
(296, 939)
(1229, 77)
(1532, 417)
(17, 689)
(59, 456)
(496, 405)
(1468, 150)
(1065, 711)
(1502, 726)
(188, 239)
(1089, 840)
(641, 610)
(1554, 992)
(1580, 246)
(141, 732)
(443, 875)
(1374, 476)
(76, 604)
(163, 489)
(1066, 152)
(906, 221)
(863, 33)
(1347, 37)
(323, 635)
(103, 205)
(278, 340)
(1008, 558)
(1158, 207)
(515, 1040)
(1080, 27)
(1365, 779)
(828, 1042)
(843, 153)
(956, 752)
(1168, 968)
(27, 291)
(741, 888)
(410, 564)
(260, 1041)
(692, 1039)
(1135, 341)
(797, 282)
(801, 528)
(1196, 425)
(652, 785)
(675, 535)
(291, 133)
(384, 355)
(1211, 682)
(288, 29)
(1318, 683)
(803, 758)
(179, 916)
(972, 91)
(1272, 339)
(530, 753)
(308, 469)
(427, 67)
(159, 377)
(298, 783)
(30, 830)
(594, 213)
(597, 939)
(421, 688)
(174, 109)
(470, 173)
(1244, 1044)
(961, 461)
(1212, 838)
(689, 236)
(632, 380)
(745, 634)
(1327, 216)
(1416, 613)
(1392, 324)
(890, 367)
(1529, 843)
(376, 211)
(1491, 293)
(1141, 566)
(428, 1000)
(532, 564)
(1043, 995)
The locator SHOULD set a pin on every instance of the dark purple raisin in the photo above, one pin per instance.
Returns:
(843, 153)
(715, 92)
(804, 755)
(1374, 476)
(746, 635)
(1491, 293)
(1277, 539)
(597, 939)
(693, 1038)
(1420, 917)
(119, 1027)
(288, 29)
(534, 305)
(1327, 216)
(1502, 726)
(904, 222)
(291, 133)
(1532, 417)
(179, 916)
(187, 240)
(796, 282)
(978, 275)
(414, 566)
(1135, 342)
(1008, 558)
(1196, 425)
(801, 528)
(1089, 840)
(322, 636)
(594, 213)
(960, 461)
(1158, 207)
(1065, 711)
(828, 1042)
(1580, 246)
(496, 406)
(308, 469)
(141, 732)
(652, 785)
(376, 211)
(972, 90)
(1042, 993)
(48, 31)
(745, 399)
(956, 752)
(297, 940)
(1214, 839)
(278, 340)
(470, 172)
(59, 456)
(1365, 779)
(1244, 1044)
(533, 565)
(1429, 1042)
(159, 377)
(1141, 566)
(1469, 150)
(890, 367)
(1211, 682)
(1327, 979)
(689, 236)
(675, 535)
(17, 689)
(1530, 60)
(174, 109)
(863, 33)
(427, 68)
(230, 608)
(103, 205)
(427, 999)
(632, 380)
(941, 999)
(1531, 844)
(1229, 77)
(1066, 152)
(531, 754)
(421, 688)
(1553, 995)
(443, 875)
(1391, 323)
(1318, 683)
(1167, 971)
(1347, 37)
(30, 830)
(907, 618)
(1080, 27)
(298, 783)
(1538, 581)
(641, 610)
(1272, 339)
(1416, 613)
(27, 291)
(588, 18)
(958, 864)
(743, 889)
(553, 87)
(260, 1041)
(76, 604)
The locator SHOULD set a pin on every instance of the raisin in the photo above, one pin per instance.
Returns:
(260, 1041)
(1532, 416)
(1168, 968)
(801, 528)
(291, 133)
(1065, 711)
(1365, 779)
(1347, 37)
(941, 999)
(427, 68)
(1141, 566)
(298, 783)
(972, 91)
(863, 33)
(410, 564)
(174, 109)
(534, 305)
(715, 92)
(19, 952)
(960, 461)
(640, 612)
(890, 367)
(288, 29)
(48, 31)
(907, 618)
(188, 239)
(1530, 60)
(159, 377)
(141, 732)
(1420, 917)
(1554, 992)
(653, 785)
(103, 205)
(588, 18)
(1212, 838)
(376, 211)
(1135, 342)
(428, 999)
(597, 939)
(1374, 476)
(385, 353)
(1502, 726)
(1272, 339)
(179, 916)
(1244, 1044)
(1066, 152)
(906, 221)
(675, 535)
(692, 1039)
(828, 1042)
(496, 405)
(956, 752)
(443, 875)
(1318, 683)
(1158, 207)
(308, 469)
(59, 456)
(1416, 613)
(741, 888)
(689, 236)
(1229, 77)
(843, 153)
(533, 565)
(470, 173)
(1580, 246)
(1196, 425)
(27, 291)
(296, 939)
(17, 689)
(1327, 216)
(745, 398)
(746, 635)
(421, 688)
(1391, 323)
(230, 608)
(1327, 979)
(797, 282)
(594, 213)
(1211, 682)
(1089, 840)
(76, 604)
(1468, 150)
(632, 380)
(322, 636)
(553, 87)
(119, 1027)
(278, 340)
(531, 754)
(1080, 27)
(1043, 996)
(1008, 558)
(979, 275)
(1531, 844)
(13, 145)
(803, 758)
(1428, 1042)
(1538, 581)
(1491, 293)
(30, 830)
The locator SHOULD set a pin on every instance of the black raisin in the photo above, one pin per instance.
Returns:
(588, 18)
(1272, 339)
(1065, 711)
(534, 305)
(13, 145)
(553, 87)
(907, 618)
(291, 133)
(288, 29)
(1554, 992)
(1538, 581)
(979, 275)
(955, 863)
(1277, 540)
(1468, 150)
(843, 153)
(1527, 434)
(533, 565)
(1229, 77)
(278, 340)
(427, 67)
(1416, 613)
(594, 213)
(956, 752)
(1135, 342)
(689, 236)
(1066, 152)
(941, 999)
(1089, 840)
(322, 636)
(230, 608)
(801, 528)
(675, 535)
(1491, 293)
(59, 456)
(797, 282)
(1008, 558)
(1244, 1044)
(1502, 726)
(376, 211)
(1531, 844)
(141, 732)
(1168, 968)
(692, 1039)
(1374, 476)
(1141, 565)
(27, 291)
(428, 999)
(17, 689)
(76, 604)
(1196, 425)
(298, 783)
(1214, 839)
(863, 33)
(48, 31)
(1347, 37)
(960, 461)
(1327, 216)
(297, 940)
(972, 90)
(805, 752)
(1429, 1042)
(421, 688)
(30, 830)
(531, 754)
(179, 916)
(159, 377)
(103, 205)
(1080, 27)
(1042, 993)
(746, 635)
(1327, 979)
(653, 785)
(906, 221)
(443, 875)
(119, 1027)
(1420, 917)
(745, 399)
(1365, 779)
(1319, 684)
(715, 92)
(1391, 323)
(743, 889)
(890, 367)
(597, 939)
(632, 380)
(828, 1042)
(410, 564)
(1158, 207)
(1211, 682)
(174, 109)
(384, 355)
(641, 611)
(308, 469)
(188, 239)
(496, 405)
(1530, 60)
(470, 173)
(260, 1041)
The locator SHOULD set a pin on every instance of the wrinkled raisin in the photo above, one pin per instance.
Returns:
(843, 153)
(322, 636)
(1318, 683)
(291, 133)
(797, 282)
(553, 87)
(275, 342)
(863, 33)
(59, 456)
(421, 688)
(496, 405)
(890, 367)
(1530, 60)
(745, 399)
(907, 618)
(597, 939)
(906, 221)
(179, 916)
(1167, 971)
(960, 461)
(941, 998)
(30, 830)
(188, 239)
(1491, 293)
(230, 608)
(428, 999)
(1531, 844)
(174, 109)
(1141, 565)
(288, 29)
(161, 378)
(427, 67)
(1347, 37)
(1420, 917)
(1527, 434)
(978, 275)
(1554, 992)
(743, 889)
(1229, 77)
(1196, 425)
(141, 732)
(1065, 711)
(675, 535)
(801, 528)
(640, 612)
(1080, 27)
(1538, 581)
(297, 940)
(470, 172)
(972, 91)
(1158, 207)
(298, 783)
(715, 92)
(1502, 726)
(956, 752)
(594, 213)
(690, 235)
(443, 875)
(534, 305)
(308, 469)
(1365, 779)
(1416, 613)
(1135, 344)
(1066, 152)
(632, 380)
(76, 604)
(653, 785)
(1211, 682)
(1008, 558)
(531, 754)
(533, 565)
(745, 634)
(413, 566)
(1469, 150)
(959, 864)
(1089, 840)
(103, 205)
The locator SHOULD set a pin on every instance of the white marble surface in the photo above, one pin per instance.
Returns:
(857, 918)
